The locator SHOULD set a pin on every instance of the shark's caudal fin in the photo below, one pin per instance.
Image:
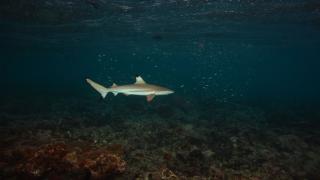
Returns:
(101, 89)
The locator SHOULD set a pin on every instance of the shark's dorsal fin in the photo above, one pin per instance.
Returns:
(114, 85)
(139, 80)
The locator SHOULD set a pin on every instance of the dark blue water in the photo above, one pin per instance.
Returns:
(218, 56)
(230, 49)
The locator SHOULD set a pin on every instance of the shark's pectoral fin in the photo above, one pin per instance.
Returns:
(150, 97)
(115, 93)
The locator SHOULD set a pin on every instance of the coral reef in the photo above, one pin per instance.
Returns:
(62, 160)
(75, 139)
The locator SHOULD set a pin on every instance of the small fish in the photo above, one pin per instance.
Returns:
(140, 88)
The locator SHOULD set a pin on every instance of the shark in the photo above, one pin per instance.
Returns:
(139, 88)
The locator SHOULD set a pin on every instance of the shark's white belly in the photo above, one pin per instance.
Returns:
(135, 92)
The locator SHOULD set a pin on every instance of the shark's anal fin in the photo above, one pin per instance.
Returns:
(150, 97)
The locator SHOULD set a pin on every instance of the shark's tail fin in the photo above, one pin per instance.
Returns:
(101, 89)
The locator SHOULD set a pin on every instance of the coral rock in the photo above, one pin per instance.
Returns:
(55, 159)
(103, 165)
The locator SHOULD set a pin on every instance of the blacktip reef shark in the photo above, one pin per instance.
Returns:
(140, 88)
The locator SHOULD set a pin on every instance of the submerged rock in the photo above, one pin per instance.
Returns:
(291, 143)
(65, 161)
(231, 143)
